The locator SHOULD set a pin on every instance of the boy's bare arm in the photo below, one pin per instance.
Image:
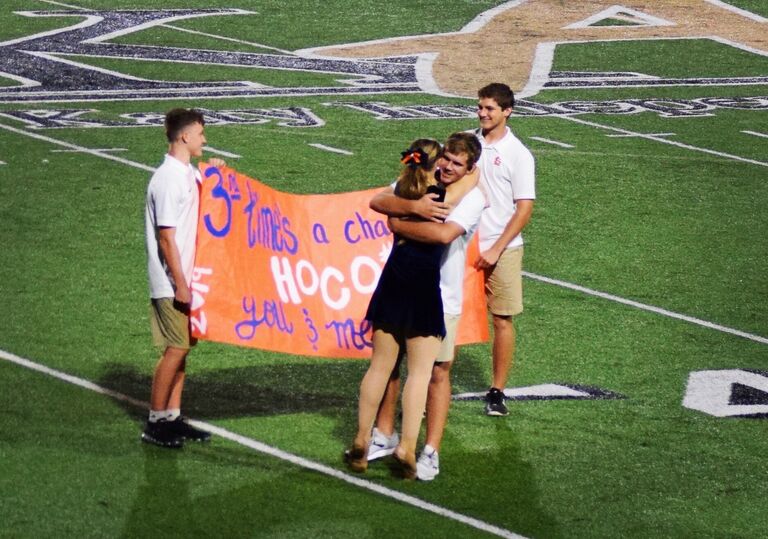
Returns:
(425, 231)
(426, 207)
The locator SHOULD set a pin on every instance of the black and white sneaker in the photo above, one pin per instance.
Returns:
(161, 433)
(494, 403)
(186, 431)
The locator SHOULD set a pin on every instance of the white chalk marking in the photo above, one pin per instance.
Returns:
(70, 146)
(65, 5)
(644, 307)
(756, 134)
(330, 149)
(738, 11)
(615, 12)
(106, 150)
(556, 143)
(636, 135)
(664, 141)
(222, 152)
(225, 38)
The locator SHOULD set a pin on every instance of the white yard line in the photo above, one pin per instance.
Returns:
(83, 149)
(622, 135)
(222, 152)
(663, 140)
(645, 307)
(549, 141)
(274, 452)
(105, 150)
(756, 134)
(330, 148)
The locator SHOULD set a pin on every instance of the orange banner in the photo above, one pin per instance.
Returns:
(294, 273)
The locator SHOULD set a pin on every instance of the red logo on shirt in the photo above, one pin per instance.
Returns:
(497, 161)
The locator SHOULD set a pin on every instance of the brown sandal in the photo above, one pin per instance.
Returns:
(407, 464)
(356, 458)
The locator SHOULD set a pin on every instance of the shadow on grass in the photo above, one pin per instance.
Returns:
(516, 483)
(261, 390)
(325, 387)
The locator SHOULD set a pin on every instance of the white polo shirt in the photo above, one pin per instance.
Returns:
(173, 200)
(507, 173)
(466, 214)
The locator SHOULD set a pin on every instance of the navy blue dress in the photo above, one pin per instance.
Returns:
(407, 298)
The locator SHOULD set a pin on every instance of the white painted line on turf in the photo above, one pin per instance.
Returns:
(106, 150)
(89, 151)
(756, 134)
(70, 379)
(663, 140)
(556, 143)
(225, 38)
(739, 11)
(572, 286)
(644, 307)
(222, 152)
(180, 29)
(330, 149)
(641, 134)
(64, 5)
(274, 451)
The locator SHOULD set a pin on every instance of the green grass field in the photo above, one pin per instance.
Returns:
(673, 221)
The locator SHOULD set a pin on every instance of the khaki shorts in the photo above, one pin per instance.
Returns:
(448, 344)
(504, 284)
(170, 324)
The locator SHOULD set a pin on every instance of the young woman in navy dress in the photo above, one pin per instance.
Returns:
(406, 311)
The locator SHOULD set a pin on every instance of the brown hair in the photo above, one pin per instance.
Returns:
(466, 143)
(499, 92)
(414, 177)
(176, 120)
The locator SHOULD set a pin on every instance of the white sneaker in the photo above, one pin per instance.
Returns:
(381, 445)
(428, 465)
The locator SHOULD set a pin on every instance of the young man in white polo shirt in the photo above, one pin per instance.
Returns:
(460, 154)
(507, 175)
(171, 214)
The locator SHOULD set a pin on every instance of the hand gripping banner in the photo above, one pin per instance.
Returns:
(294, 273)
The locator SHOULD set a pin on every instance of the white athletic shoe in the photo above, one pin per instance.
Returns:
(381, 445)
(428, 465)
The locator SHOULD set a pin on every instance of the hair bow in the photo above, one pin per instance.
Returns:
(414, 157)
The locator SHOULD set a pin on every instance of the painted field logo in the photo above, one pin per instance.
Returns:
(47, 67)
(547, 392)
(728, 393)
(516, 40)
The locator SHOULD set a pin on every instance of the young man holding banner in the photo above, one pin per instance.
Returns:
(460, 153)
(171, 214)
